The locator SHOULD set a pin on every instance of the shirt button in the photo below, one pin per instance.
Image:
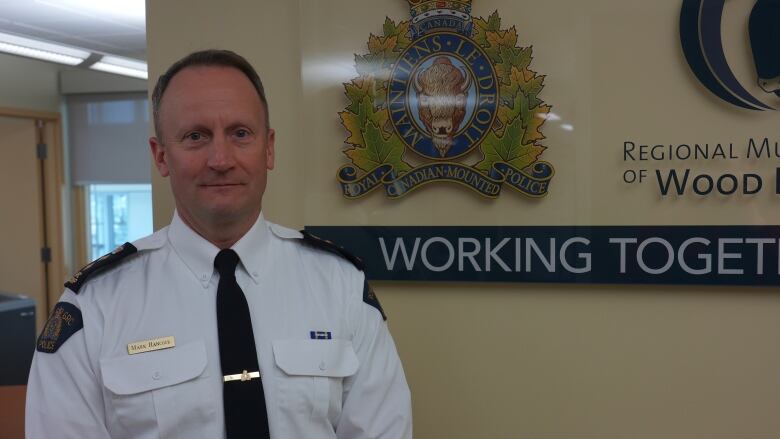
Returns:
(322, 365)
(254, 274)
(156, 376)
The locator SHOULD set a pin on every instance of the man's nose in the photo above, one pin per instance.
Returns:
(222, 154)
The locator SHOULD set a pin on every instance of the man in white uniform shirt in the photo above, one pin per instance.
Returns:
(220, 324)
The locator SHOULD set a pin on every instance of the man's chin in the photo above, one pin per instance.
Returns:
(223, 211)
(227, 213)
(222, 189)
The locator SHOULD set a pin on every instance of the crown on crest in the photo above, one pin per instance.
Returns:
(430, 15)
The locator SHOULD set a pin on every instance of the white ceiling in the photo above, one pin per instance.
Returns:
(115, 27)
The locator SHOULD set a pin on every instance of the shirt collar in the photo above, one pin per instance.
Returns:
(251, 248)
(198, 253)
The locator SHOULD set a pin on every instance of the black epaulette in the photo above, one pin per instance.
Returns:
(370, 298)
(100, 264)
(332, 247)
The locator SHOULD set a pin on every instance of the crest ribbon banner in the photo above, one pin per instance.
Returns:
(533, 184)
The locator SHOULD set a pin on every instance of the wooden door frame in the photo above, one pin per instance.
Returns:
(80, 226)
(52, 223)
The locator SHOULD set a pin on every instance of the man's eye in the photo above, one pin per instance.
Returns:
(241, 133)
(194, 136)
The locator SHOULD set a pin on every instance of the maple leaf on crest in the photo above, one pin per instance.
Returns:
(533, 128)
(509, 147)
(498, 39)
(493, 23)
(378, 151)
(356, 90)
(355, 121)
(399, 31)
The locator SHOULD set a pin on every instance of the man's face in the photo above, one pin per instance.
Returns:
(214, 145)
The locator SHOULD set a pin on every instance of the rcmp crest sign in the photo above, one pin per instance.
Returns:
(445, 97)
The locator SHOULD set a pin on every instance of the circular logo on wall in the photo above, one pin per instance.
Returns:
(442, 96)
(702, 44)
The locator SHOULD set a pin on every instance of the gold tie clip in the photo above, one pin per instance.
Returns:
(243, 376)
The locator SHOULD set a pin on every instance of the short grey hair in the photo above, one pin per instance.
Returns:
(210, 57)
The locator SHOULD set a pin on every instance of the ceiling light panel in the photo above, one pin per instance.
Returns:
(132, 9)
(122, 66)
(41, 50)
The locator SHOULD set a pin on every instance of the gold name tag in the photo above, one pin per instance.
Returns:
(154, 344)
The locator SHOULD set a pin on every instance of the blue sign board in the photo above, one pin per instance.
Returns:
(706, 255)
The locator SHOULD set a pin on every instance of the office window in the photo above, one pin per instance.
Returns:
(117, 213)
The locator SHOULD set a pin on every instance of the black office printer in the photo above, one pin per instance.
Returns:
(17, 338)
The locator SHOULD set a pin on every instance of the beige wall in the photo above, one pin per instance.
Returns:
(29, 84)
(526, 360)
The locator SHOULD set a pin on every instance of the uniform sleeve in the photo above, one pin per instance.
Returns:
(377, 401)
(64, 398)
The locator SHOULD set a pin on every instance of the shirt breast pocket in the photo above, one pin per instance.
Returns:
(161, 393)
(312, 375)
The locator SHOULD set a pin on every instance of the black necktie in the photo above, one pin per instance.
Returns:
(245, 413)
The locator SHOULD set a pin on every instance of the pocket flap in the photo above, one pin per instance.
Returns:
(146, 371)
(330, 358)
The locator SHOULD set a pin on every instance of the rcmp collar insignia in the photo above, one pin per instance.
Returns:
(435, 90)
(64, 321)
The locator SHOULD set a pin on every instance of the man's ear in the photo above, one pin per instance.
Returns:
(269, 149)
(159, 156)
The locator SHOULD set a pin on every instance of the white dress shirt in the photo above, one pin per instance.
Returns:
(349, 386)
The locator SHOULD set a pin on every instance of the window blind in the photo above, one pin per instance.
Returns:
(108, 136)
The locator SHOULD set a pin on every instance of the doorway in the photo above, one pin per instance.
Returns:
(31, 181)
